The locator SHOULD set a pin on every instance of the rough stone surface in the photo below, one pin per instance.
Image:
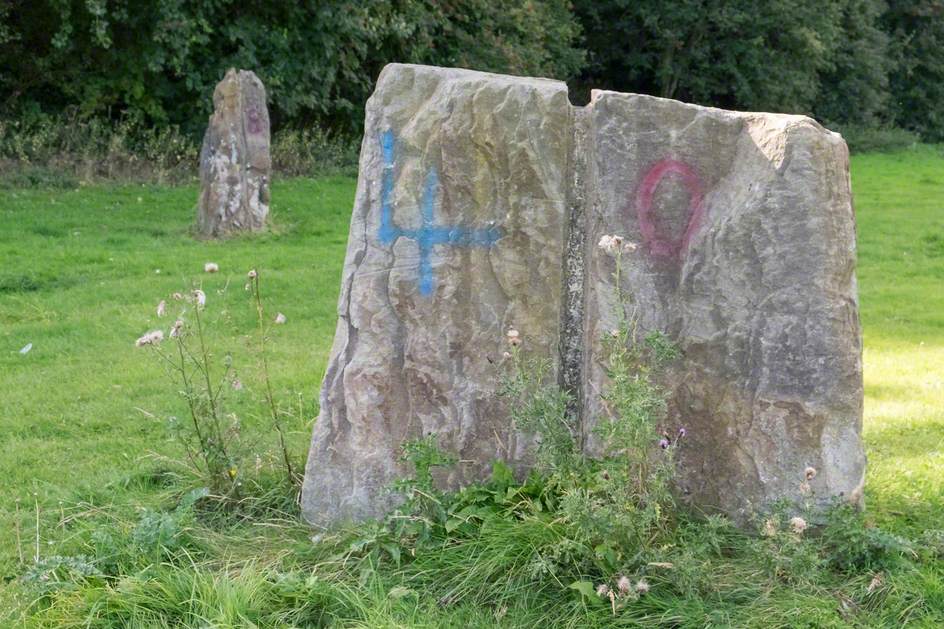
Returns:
(234, 161)
(746, 259)
(456, 236)
(480, 203)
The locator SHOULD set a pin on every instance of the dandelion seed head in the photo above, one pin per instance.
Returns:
(211, 267)
(603, 589)
(175, 330)
(161, 308)
(624, 584)
(810, 473)
(642, 586)
(200, 297)
(280, 318)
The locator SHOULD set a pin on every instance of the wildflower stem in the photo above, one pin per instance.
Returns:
(270, 397)
(36, 504)
(19, 542)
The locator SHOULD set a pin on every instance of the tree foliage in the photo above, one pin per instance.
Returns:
(318, 59)
(917, 82)
(870, 63)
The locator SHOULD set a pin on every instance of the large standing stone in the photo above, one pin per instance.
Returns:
(456, 236)
(480, 202)
(234, 161)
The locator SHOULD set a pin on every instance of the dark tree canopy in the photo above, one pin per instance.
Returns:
(860, 62)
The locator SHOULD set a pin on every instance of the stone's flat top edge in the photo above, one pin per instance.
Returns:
(458, 73)
(781, 118)
(785, 120)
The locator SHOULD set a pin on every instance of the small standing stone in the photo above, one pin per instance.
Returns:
(234, 161)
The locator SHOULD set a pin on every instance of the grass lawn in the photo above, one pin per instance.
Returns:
(83, 442)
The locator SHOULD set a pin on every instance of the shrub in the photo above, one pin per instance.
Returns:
(877, 139)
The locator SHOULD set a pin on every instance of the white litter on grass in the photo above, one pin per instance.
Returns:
(26, 348)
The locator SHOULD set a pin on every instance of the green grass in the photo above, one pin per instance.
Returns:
(82, 436)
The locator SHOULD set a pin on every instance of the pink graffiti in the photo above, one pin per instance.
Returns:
(659, 244)
(255, 120)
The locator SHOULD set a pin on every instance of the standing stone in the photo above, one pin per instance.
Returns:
(234, 161)
(480, 202)
(456, 236)
(746, 260)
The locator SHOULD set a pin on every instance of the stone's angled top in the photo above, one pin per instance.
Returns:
(392, 70)
(480, 202)
(235, 164)
(598, 95)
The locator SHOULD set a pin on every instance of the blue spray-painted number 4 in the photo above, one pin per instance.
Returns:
(429, 234)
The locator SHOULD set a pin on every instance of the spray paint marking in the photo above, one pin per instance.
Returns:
(661, 245)
(430, 234)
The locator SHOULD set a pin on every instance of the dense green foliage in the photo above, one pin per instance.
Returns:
(917, 82)
(161, 60)
(848, 62)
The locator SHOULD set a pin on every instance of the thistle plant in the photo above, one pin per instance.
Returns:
(211, 434)
(208, 434)
(539, 407)
(294, 477)
(637, 448)
(616, 506)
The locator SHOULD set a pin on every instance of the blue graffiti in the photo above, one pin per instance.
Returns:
(429, 234)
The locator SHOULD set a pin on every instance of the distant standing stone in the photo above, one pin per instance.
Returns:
(234, 161)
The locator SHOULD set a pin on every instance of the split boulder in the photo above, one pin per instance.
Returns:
(480, 202)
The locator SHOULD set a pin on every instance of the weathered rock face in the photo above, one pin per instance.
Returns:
(234, 161)
(746, 259)
(456, 236)
(479, 206)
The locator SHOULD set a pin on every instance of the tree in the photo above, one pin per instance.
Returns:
(917, 82)
(159, 59)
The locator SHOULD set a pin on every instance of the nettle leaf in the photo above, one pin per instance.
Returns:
(586, 589)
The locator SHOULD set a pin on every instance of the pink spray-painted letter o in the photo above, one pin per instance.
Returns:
(656, 243)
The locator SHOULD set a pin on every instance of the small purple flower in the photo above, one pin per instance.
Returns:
(682, 432)
(663, 443)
